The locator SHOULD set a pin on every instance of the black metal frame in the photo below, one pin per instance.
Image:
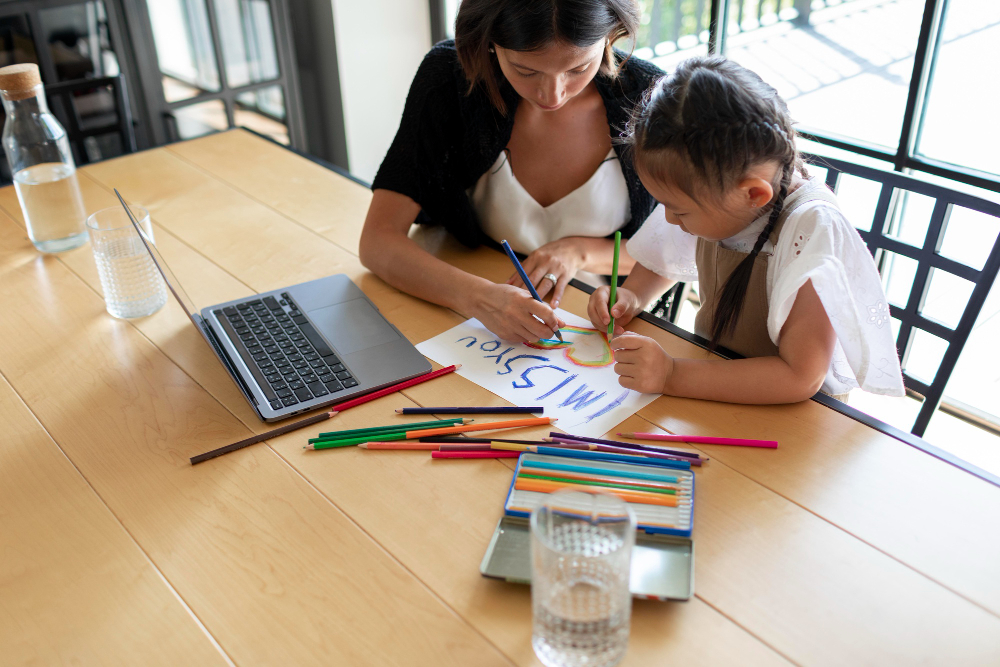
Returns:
(927, 258)
(287, 78)
(62, 93)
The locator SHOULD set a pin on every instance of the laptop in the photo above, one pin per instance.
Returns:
(301, 347)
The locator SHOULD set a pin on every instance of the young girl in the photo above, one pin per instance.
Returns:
(784, 278)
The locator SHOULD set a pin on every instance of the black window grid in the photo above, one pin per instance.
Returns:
(928, 258)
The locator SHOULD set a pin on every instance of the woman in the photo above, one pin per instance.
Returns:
(506, 134)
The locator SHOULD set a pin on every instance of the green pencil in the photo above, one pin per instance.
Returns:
(349, 442)
(412, 426)
(614, 284)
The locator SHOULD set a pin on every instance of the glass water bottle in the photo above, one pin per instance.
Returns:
(41, 162)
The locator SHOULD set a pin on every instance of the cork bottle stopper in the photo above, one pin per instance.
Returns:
(19, 81)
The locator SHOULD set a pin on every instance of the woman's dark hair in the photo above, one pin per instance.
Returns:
(529, 25)
(701, 129)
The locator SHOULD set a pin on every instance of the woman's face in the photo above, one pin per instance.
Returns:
(552, 76)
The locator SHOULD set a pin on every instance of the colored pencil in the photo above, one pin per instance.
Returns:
(649, 453)
(488, 426)
(596, 470)
(463, 440)
(621, 458)
(614, 284)
(702, 440)
(678, 489)
(315, 419)
(425, 433)
(474, 455)
(471, 411)
(541, 486)
(437, 423)
(618, 443)
(524, 278)
(424, 446)
(599, 482)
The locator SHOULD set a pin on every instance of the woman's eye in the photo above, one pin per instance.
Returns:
(527, 75)
(580, 71)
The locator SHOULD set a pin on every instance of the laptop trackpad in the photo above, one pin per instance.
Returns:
(352, 326)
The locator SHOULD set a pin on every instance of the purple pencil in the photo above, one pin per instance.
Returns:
(628, 445)
(651, 453)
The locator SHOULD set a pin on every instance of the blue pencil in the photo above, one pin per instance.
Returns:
(620, 458)
(650, 477)
(524, 277)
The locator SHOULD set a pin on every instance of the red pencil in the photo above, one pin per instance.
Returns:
(475, 455)
(702, 440)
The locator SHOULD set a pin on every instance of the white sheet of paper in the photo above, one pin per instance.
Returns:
(574, 381)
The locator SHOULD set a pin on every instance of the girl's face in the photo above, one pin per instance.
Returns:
(715, 220)
(550, 77)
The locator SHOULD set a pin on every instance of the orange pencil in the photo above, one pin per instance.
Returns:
(488, 426)
(544, 486)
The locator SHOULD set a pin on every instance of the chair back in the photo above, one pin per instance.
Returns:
(96, 116)
(925, 279)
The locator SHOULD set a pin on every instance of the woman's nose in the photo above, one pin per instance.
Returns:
(552, 93)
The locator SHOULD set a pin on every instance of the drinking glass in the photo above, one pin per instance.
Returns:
(581, 551)
(133, 286)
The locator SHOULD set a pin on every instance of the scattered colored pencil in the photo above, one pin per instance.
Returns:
(426, 433)
(514, 410)
(424, 446)
(702, 440)
(488, 426)
(463, 440)
(524, 278)
(315, 419)
(437, 423)
(556, 435)
(542, 486)
(474, 455)
(614, 284)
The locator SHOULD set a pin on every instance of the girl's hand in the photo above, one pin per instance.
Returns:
(510, 312)
(641, 363)
(561, 258)
(627, 306)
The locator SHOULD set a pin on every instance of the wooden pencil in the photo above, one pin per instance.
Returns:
(374, 430)
(544, 486)
(423, 446)
(618, 443)
(614, 284)
(474, 455)
(488, 426)
(702, 440)
(315, 419)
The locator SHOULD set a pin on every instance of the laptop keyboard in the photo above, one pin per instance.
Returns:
(286, 355)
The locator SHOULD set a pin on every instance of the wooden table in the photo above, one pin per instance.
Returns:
(844, 546)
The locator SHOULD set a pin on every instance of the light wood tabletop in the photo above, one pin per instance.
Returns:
(843, 546)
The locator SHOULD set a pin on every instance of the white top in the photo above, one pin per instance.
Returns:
(598, 208)
(817, 243)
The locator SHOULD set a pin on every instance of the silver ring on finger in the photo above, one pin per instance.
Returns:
(551, 276)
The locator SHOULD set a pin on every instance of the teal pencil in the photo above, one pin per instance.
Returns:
(614, 284)
(437, 423)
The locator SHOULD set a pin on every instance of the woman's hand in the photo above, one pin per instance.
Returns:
(642, 365)
(562, 259)
(510, 313)
(627, 306)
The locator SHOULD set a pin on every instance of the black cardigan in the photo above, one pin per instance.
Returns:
(447, 140)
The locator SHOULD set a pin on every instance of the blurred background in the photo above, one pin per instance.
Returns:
(903, 85)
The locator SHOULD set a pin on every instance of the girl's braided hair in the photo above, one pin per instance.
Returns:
(702, 128)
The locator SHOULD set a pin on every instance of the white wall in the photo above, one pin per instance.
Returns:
(380, 44)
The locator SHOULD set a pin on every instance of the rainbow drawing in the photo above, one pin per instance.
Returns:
(569, 347)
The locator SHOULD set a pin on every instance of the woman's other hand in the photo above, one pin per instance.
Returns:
(561, 259)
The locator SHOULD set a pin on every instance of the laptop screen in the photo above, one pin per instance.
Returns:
(168, 276)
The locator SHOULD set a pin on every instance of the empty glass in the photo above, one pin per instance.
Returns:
(133, 286)
(581, 551)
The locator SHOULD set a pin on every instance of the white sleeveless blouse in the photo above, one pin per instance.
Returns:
(506, 211)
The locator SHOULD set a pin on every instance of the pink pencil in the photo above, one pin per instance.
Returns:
(702, 440)
(475, 455)
(424, 446)
(628, 448)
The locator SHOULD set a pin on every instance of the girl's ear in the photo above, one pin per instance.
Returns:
(755, 192)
